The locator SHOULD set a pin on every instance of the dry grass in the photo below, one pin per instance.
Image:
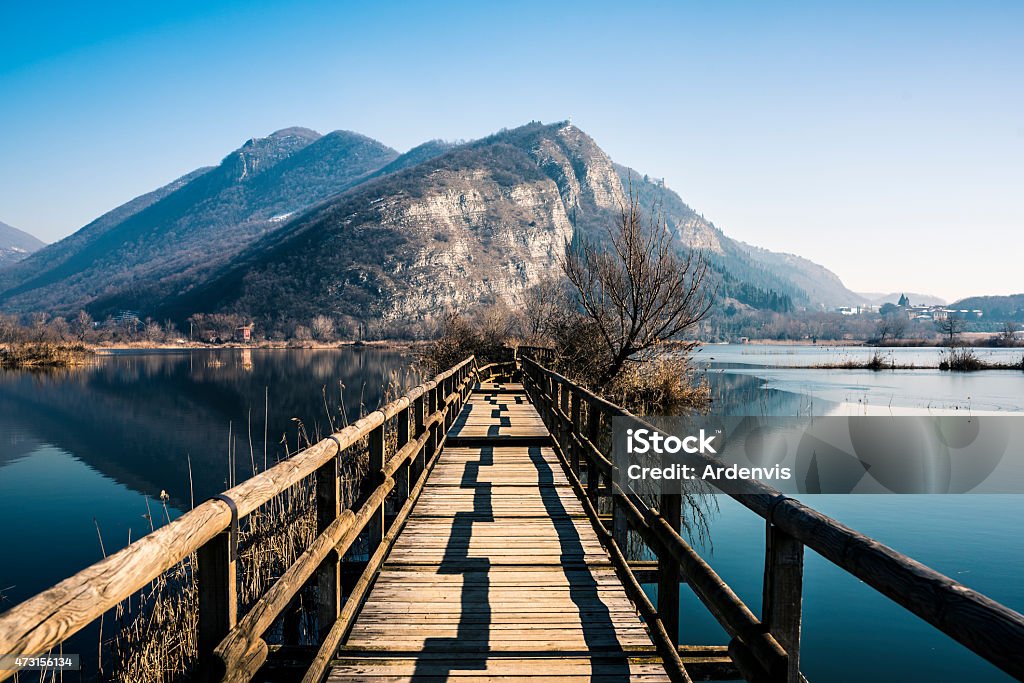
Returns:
(962, 359)
(43, 355)
(659, 386)
(878, 361)
(155, 630)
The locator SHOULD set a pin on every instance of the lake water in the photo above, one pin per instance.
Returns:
(852, 633)
(85, 454)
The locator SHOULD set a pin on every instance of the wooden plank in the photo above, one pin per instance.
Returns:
(352, 669)
(783, 594)
(218, 599)
(496, 560)
(328, 509)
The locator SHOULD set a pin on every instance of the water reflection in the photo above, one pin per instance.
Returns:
(742, 394)
(141, 419)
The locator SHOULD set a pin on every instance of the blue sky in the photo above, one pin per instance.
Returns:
(877, 139)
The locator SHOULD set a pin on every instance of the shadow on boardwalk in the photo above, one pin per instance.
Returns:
(472, 640)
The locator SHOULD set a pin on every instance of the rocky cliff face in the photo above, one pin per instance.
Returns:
(259, 154)
(582, 171)
(297, 224)
(473, 240)
(478, 224)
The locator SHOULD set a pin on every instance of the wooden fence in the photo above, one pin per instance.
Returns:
(232, 646)
(766, 649)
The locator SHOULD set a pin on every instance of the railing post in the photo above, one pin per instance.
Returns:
(620, 524)
(404, 473)
(218, 600)
(593, 430)
(783, 594)
(442, 393)
(563, 414)
(553, 390)
(328, 508)
(434, 438)
(449, 417)
(375, 527)
(419, 420)
(670, 508)
(574, 451)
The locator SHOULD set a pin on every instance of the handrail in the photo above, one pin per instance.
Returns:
(40, 623)
(986, 627)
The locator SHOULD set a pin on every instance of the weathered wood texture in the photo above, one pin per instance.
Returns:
(991, 630)
(42, 622)
(498, 573)
(498, 563)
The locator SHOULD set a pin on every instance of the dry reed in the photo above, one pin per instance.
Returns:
(155, 636)
(43, 355)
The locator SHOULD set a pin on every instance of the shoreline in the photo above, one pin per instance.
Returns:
(106, 349)
(971, 341)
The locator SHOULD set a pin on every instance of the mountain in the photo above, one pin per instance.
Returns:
(821, 286)
(16, 245)
(297, 224)
(163, 242)
(478, 223)
(747, 273)
(877, 299)
(994, 308)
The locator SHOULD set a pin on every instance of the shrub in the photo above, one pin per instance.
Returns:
(660, 385)
(486, 335)
(43, 355)
(880, 362)
(961, 360)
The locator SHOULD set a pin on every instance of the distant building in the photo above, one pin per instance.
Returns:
(243, 333)
(127, 320)
(904, 301)
(126, 317)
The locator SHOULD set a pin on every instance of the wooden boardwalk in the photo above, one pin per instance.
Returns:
(498, 573)
(491, 555)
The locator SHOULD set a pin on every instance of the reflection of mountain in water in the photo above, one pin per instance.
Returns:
(742, 394)
(139, 417)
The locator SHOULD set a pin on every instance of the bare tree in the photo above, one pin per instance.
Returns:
(58, 329)
(899, 327)
(1007, 336)
(153, 331)
(322, 328)
(82, 325)
(636, 289)
(10, 329)
(170, 330)
(543, 308)
(950, 327)
(890, 327)
(38, 323)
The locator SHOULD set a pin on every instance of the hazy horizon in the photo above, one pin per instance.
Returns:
(878, 141)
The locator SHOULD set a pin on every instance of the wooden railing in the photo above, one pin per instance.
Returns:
(766, 649)
(231, 646)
